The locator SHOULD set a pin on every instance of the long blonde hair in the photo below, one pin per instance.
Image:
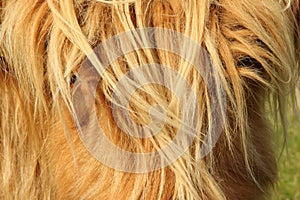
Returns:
(252, 46)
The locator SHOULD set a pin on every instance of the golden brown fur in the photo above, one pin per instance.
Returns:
(253, 44)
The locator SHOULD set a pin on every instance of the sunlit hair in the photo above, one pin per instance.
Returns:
(253, 46)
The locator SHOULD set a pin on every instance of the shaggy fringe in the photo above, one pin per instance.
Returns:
(254, 48)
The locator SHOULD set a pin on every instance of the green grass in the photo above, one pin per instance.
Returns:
(289, 164)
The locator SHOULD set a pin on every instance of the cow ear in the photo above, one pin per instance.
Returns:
(296, 13)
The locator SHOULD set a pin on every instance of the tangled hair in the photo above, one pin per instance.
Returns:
(253, 46)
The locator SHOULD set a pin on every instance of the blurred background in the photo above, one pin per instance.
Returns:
(288, 187)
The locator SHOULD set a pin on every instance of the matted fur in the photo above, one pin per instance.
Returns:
(253, 44)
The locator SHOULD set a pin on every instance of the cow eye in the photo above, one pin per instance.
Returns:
(73, 79)
(248, 61)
